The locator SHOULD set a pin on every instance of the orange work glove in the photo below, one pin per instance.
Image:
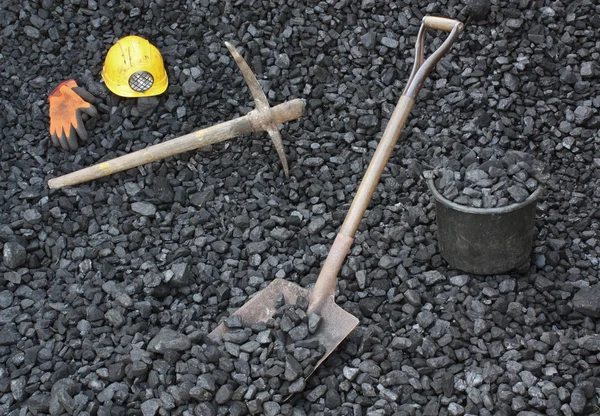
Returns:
(67, 102)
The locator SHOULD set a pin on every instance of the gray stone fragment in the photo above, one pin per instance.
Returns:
(316, 393)
(32, 32)
(167, 401)
(17, 388)
(224, 394)
(439, 362)
(556, 244)
(299, 332)
(401, 343)
(455, 409)
(367, 121)
(14, 255)
(132, 188)
(316, 225)
(152, 279)
(460, 280)
(394, 378)
(350, 373)
(271, 408)
(282, 61)
(32, 216)
(8, 315)
(388, 262)
(583, 114)
(234, 321)
(137, 369)
(589, 342)
(297, 386)
(205, 409)
(389, 42)
(361, 278)
(146, 105)
(478, 10)
(432, 277)
(150, 407)
(61, 399)
(412, 297)
(124, 300)
(39, 404)
(578, 401)
(587, 69)
(514, 23)
(475, 175)
(207, 382)
(387, 394)
(257, 247)
(368, 39)
(250, 347)
(507, 286)
(179, 275)
(237, 336)
(586, 301)
(93, 313)
(144, 208)
(511, 82)
(6, 299)
(471, 193)
(116, 317)
(168, 339)
(518, 193)
(264, 337)
(286, 324)
(189, 88)
(313, 322)
(200, 394)
(370, 367)
(293, 369)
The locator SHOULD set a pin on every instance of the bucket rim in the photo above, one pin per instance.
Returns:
(481, 211)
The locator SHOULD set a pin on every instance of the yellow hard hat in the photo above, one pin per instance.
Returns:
(134, 68)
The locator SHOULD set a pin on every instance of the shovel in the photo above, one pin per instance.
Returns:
(336, 324)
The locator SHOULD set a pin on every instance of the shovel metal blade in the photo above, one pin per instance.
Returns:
(336, 324)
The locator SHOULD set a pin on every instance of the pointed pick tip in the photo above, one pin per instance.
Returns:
(286, 170)
(232, 50)
(284, 164)
(278, 143)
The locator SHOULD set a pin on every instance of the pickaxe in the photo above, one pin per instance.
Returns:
(262, 118)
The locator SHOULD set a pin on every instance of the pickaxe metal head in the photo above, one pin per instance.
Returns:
(265, 117)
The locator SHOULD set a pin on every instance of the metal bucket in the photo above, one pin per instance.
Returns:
(485, 241)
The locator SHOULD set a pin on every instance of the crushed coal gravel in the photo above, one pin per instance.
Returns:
(488, 177)
(109, 289)
(259, 365)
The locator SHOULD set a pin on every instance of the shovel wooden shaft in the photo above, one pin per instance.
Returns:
(374, 171)
(252, 122)
(325, 286)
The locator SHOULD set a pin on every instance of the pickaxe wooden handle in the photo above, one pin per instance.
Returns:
(262, 118)
(251, 122)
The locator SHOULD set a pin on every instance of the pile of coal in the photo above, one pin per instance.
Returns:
(488, 177)
(258, 366)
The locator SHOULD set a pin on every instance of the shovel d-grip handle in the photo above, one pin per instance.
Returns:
(440, 23)
(324, 288)
(422, 67)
